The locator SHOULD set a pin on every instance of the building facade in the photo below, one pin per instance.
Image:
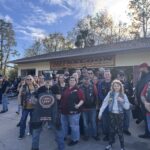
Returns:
(128, 54)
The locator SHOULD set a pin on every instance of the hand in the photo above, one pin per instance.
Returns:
(77, 106)
(120, 99)
(99, 117)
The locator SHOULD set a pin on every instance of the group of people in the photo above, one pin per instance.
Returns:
(87, 104)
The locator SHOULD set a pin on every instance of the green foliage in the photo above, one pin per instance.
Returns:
(140, 15)
(7, 44)
(13, 73)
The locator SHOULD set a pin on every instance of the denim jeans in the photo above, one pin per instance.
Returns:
(59, 138)
(23, 120)
(36, 137)
(73, 122)
(5, 102)
(148, 121)
(89, 122)
(126, 122)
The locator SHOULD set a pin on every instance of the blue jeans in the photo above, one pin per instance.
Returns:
(73, 122)
(59, 138)
(89, 118)
(148, 122)
(126, 123)
(23, 120)
(36, 137)
(5, 102)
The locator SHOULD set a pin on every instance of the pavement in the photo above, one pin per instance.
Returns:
(9, 136)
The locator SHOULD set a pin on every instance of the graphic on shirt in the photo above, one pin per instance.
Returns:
(46, 101)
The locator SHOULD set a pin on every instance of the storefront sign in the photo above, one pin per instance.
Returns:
(90, 62)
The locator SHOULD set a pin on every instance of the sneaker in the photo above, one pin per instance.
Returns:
(3, 111)
(96, 138)
(109, 147)
(127, 132)
(72, 143)
(122, 149)
(17, 112)
(20, 137)
(18, 125)
(28, 133)
(144, 136)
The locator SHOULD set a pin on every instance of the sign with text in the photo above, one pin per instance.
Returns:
(90, 62)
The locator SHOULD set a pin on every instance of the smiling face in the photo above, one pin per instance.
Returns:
(72, 82)
(116, 87)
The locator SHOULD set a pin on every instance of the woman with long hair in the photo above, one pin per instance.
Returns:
(116, 101)
(26, 98)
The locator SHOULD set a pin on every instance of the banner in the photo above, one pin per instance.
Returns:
(44, 108)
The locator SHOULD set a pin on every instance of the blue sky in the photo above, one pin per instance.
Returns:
(34, 19)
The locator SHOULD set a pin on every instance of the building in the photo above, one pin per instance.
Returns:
(126, 55)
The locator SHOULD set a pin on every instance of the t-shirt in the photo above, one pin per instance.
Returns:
(43, 89)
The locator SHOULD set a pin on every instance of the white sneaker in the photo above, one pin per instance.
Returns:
(28, 133)
(109, 147)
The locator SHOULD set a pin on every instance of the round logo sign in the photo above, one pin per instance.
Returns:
(46, 101)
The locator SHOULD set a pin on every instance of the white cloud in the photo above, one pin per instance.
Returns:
(39, 16)
(42, 17)
(82, 8)
(7, 18)
(31, 33)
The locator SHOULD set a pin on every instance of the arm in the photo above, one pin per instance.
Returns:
(143, 94)
(126, 104)
(104, 105)
(58, 96)
(81, 98)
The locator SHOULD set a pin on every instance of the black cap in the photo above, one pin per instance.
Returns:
(47, 76)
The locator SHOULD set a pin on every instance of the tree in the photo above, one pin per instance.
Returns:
(35, 49)
(55, 42)
(13, 73)
(7, 44)
(83, 34)
(140, 15)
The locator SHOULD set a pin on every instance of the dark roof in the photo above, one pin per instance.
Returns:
(140, 44)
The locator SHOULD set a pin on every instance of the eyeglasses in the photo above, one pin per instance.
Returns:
(90, 73)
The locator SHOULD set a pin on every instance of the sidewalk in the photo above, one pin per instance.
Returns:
(9, 136)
